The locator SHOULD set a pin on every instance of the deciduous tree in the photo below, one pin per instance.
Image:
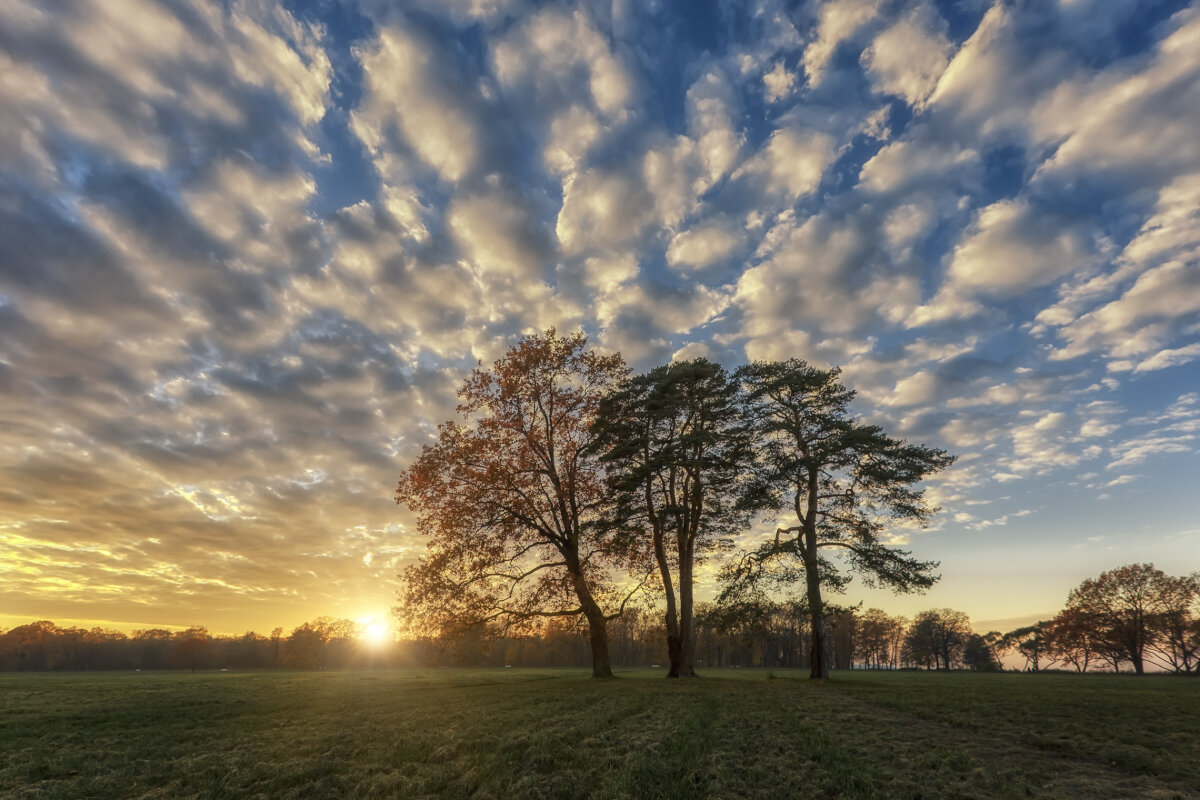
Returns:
(937, 637)
(1120, 607)
(841, 485)
(510, 496)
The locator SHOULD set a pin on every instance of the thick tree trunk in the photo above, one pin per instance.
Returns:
(597, 624)
(598, 638)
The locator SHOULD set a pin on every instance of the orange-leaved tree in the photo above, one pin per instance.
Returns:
(510, 498)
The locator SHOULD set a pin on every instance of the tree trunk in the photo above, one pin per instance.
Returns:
(819, 652)
(687, 633)
(674, 652)
(671, 615)
(598, 638)
(597, 624)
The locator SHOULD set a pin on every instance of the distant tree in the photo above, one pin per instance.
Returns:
(880, 638)
(980, 652)
(1071, 640)
(1120, 607)
(305, 647)
(31, 647)
(192, 648)
(937, 637)
(678, 451)
(1033, 643)
(510, 498)
(842, 483)
(1177, 622)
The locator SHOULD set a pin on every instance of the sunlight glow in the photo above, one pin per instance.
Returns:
(376, 633)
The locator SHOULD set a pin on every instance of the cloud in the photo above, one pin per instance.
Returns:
(912, 164)
(416, 97)
(498, 234)
(792, 162)
(908, 58)
(1009, 248)
(1134, 121)
(603, 210)
(702, 246)
(778, 83)
(839, 21)
(556, 57)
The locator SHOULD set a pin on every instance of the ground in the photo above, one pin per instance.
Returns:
(558, 734)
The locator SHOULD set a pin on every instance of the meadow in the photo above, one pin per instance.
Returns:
(514, 733)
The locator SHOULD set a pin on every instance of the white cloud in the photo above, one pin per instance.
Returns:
(497, 233)
(779, 83)
(901, 165)
(1169, 358)
(409, 91)
(1011, 247)
(467, 11)
(908, 58)
(1138, 120)
(604, 211)
(711, 107)
(1140, 319)
(792, 162)
(572, 134)
(919, 388)
(839, 20)
(547, 54)
(704, 245)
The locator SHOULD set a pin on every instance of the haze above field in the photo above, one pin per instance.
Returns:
(247, 254)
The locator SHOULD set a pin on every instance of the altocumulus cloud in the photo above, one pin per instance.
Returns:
(247, 253)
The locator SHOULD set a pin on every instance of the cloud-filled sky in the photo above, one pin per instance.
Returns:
(249, 250)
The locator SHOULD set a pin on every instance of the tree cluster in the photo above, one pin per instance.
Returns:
(1136, 616)
(570, 485)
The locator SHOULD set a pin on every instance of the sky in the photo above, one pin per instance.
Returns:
(248, 252)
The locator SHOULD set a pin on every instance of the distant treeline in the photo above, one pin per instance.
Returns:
(1135, 617)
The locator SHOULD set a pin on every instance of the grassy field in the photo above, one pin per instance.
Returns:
(557, 734)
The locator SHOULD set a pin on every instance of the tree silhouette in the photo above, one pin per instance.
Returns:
(679, 454)
(510, 498)
(842, 484)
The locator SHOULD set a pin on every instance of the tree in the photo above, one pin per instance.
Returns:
(880, 637)
(842, 484)
(511, 497)
(1177, 620)
(1071, 640)
(979, 652)
(679, 454)
(937, 637)
(1120, 606)
(1034, 643)
(192, 648)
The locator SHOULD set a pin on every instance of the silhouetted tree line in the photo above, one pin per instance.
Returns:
(1135, 617)
(323, 643)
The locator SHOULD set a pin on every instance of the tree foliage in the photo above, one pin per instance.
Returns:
(937, 638)
(679, 454)
(842, 485)
(1137, 610)
(510, 497)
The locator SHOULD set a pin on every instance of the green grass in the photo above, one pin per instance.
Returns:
(557, 734)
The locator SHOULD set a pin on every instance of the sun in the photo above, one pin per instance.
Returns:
(376, 633)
